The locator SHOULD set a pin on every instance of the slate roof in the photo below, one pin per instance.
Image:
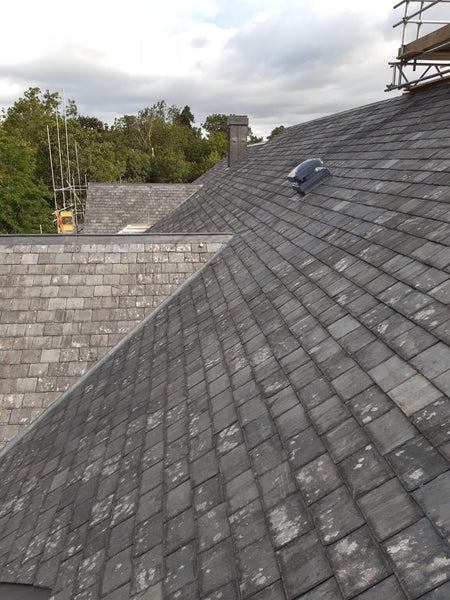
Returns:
(279, 428)
(110, 207)
(65, 300)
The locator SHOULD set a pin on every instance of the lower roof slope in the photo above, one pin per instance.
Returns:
(280, 427)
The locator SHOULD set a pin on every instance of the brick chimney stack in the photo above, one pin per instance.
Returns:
(237, 138)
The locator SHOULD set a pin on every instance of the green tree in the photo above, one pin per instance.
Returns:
(276, 131)
(216, 123)
(252, 138)
(186, 118)
(24, 204)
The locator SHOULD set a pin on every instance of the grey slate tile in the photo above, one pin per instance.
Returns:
(388, 509)
(117, 571)
(391, 373)
(373, 354)
(345, 439)
(289, 520)
(318, 478)
(267, 455)
(207, 495)
(440, 593)
(233, 463)
(147, 571)
(212, 527)
(216, 567)
(248, 524)
(292, 421)
(389, 588)
(179, 531)
(180, 568)
(226, 592)
(315, 393)
(390, 430)
(273, 592)
(204, 468)
(414, 546)
(303, 565)
(241, 490)
(416, 463)
(336, 515)
(434, 361)
(358, 562)
(433, 421)
(433, 498)
(365, 470)
(328, 414)
(148, 534)
(370, 405)
(178, 499)
(258, 567)
(414, 394)
(351, 383)
(325, 591)
(304, 447)
(277, 484)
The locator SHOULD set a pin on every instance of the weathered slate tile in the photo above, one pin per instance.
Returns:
(212, 527)
(358, 562)
(325, 591)
(370, 405)
(327, 415)
(390, 430)
(433, 421)
(179, 531)
(277, 484)
(241, 490)
(318, 478)
(388, 509)
(440, 593)
(433, 498)
(389, 588)
(303, 565)
(289, 520)
(411, 549)
(414, 394)
(336, 515)
(345, 439)
(416, 462)
(258, 567)
(365, 470)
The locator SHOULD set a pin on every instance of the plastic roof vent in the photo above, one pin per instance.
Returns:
(308, 174)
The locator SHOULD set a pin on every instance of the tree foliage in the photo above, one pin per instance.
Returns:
(159, 143)
(24, 204)
(276, 131)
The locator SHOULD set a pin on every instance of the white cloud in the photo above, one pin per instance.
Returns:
(280, 63)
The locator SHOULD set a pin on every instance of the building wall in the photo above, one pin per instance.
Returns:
(65, 301)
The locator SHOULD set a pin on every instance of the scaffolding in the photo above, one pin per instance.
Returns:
(423, 58)
(69, 196)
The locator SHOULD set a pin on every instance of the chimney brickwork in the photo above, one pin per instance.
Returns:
(237, 138)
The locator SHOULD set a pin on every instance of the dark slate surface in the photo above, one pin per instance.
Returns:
(280, 428)
(112, 206)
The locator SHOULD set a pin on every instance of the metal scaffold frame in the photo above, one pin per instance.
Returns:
(70, 196)
(426, 59)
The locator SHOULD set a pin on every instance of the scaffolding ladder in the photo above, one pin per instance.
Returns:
(425, 59)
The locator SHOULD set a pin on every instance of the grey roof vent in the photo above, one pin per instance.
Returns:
(308, 174)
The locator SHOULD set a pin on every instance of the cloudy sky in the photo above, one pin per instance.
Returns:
(279, 61)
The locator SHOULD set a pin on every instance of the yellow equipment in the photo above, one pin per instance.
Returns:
(66, 221)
